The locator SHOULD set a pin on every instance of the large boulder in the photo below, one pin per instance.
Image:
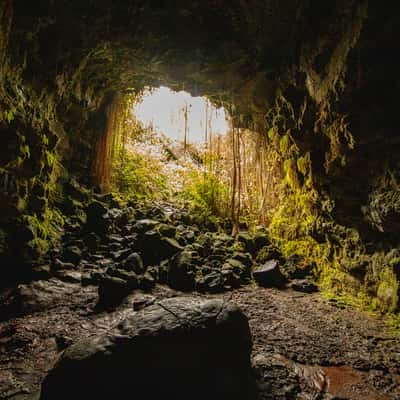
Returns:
(269, 275)
(155, 248)
(177, 349)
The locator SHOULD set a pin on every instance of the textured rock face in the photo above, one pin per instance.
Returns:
(331, 63)
(179, 348)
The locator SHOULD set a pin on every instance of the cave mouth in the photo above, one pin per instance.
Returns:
(171, 146)
(163, 145)
(311, 158)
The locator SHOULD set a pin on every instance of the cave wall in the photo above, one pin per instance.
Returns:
(333, 62)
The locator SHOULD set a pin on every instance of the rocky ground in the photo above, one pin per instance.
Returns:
(116, 260)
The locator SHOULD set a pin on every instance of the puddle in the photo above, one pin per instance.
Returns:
(338, 382)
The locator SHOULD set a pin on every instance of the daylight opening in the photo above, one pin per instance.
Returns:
(161, 145)
(180, 116)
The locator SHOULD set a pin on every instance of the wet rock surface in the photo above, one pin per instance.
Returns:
(177, 348)
(120, 263)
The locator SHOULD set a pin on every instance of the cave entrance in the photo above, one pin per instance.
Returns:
(162, 145)
(165, 147)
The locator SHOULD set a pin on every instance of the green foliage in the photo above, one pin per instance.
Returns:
(45, 228)
(140, 177)
(8, 116)
(206, 193)
(284, 144)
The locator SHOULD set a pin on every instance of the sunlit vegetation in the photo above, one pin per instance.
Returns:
(227, 176)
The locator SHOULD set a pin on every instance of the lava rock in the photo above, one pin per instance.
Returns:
(34, 297)
(143, 301)
(267, 253)
(166, 230)
(145, 225)
(294, 268)
(41, 272)
(92, 278)
(241, 273)
(182, 270)
(177, 349)
(69, 276)
(269, 275)
(244, 258)
(119, 255)
(97, 219)
(261, 240)
(155, 248)
(95, 210)
(133, 263)
(147, 281)
(130, 277)
(112, 290)
(92, 241)
(247, 240)
(72, 254)
(59, 265)
(223, 239)
(212, 283)
(303, 285)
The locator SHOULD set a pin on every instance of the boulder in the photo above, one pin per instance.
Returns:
(72, 254)
(166, 230)
(244, 258)
(180, 348)
(35, 297)
(69, 276)
(269, 275)
(97, 220)
(144, 225)
(133, 263)
(95, 210)
(92, 241)
(303, 285)
(260, 240)
(155, 248)
(241, 273)
(182, 270)
(112, 290)
(247, 240)
(212, 283)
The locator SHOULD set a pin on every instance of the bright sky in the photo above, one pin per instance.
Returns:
(164, 108)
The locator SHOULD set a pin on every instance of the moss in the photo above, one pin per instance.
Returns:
(238, 247)
(304, 164)
(284, 144)
(387, 292)
(46, 230)
(303, 225)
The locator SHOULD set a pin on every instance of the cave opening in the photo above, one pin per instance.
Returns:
(164, 145)
(111, 201)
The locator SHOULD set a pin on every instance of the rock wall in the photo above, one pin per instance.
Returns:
(324, 72)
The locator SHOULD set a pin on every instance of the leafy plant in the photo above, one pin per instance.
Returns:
(139, 176)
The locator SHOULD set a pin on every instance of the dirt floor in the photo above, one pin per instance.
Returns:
(304, 347)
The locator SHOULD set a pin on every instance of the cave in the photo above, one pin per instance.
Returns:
(292, 220)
